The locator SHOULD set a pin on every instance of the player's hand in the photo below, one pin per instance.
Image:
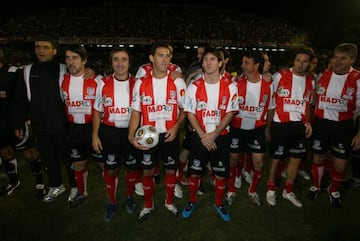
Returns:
(211, 146)
(19, 133)
(208, 141)
(170, 135)
(267, 134)
(176, 74)
(355, 144)
(308, 129)
(96, 144)
(134, 141)
(267, 77)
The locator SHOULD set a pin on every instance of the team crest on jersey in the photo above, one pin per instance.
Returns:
(90, 93)
(172, 99)
(241, 100)
(349, 93)
(264, 100)
(223, 103)
(282, 92)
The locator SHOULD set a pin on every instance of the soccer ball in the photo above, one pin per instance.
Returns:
(146, 135)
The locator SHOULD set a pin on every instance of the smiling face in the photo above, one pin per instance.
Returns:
(160, 60)
(342, 62)
(120, 63)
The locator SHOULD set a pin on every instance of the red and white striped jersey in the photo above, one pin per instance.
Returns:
(254, 100)
(79, 96)
(292, 96)
(338, 96)
(211, 102)
(146, 69)
(159, 101)
(113, 98)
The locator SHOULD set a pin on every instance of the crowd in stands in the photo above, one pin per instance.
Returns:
(170, 21)
(175, 23)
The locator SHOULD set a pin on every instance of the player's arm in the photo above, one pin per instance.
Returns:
(19, 104)
(195, 124)
(208, 140)
(269, 119)
(172, 133)
(96, 142)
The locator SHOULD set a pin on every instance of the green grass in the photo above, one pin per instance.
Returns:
(25, 218)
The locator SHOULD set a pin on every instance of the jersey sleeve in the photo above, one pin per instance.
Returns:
(233, 105)
(98, 103)
(190, 99)
(181, 89)
(136, 99)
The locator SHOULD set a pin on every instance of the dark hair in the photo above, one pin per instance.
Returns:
(77, 48)
(257, 56)
(54, 43)
(217, 52)
(348, 48)
(155, 46)
(306, 50)
(115, 50)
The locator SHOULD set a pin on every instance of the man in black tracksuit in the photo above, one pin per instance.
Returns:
(38, 92)
(8, 143)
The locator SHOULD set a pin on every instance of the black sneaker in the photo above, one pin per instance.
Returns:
(313, 193)
(130, 205)
(11, 188)
(157, 178)
(335, 199)
(350, 183)
(110, 211)
(324, 186)
(77, 200)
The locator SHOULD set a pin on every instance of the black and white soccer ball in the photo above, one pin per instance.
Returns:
(146, 135)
